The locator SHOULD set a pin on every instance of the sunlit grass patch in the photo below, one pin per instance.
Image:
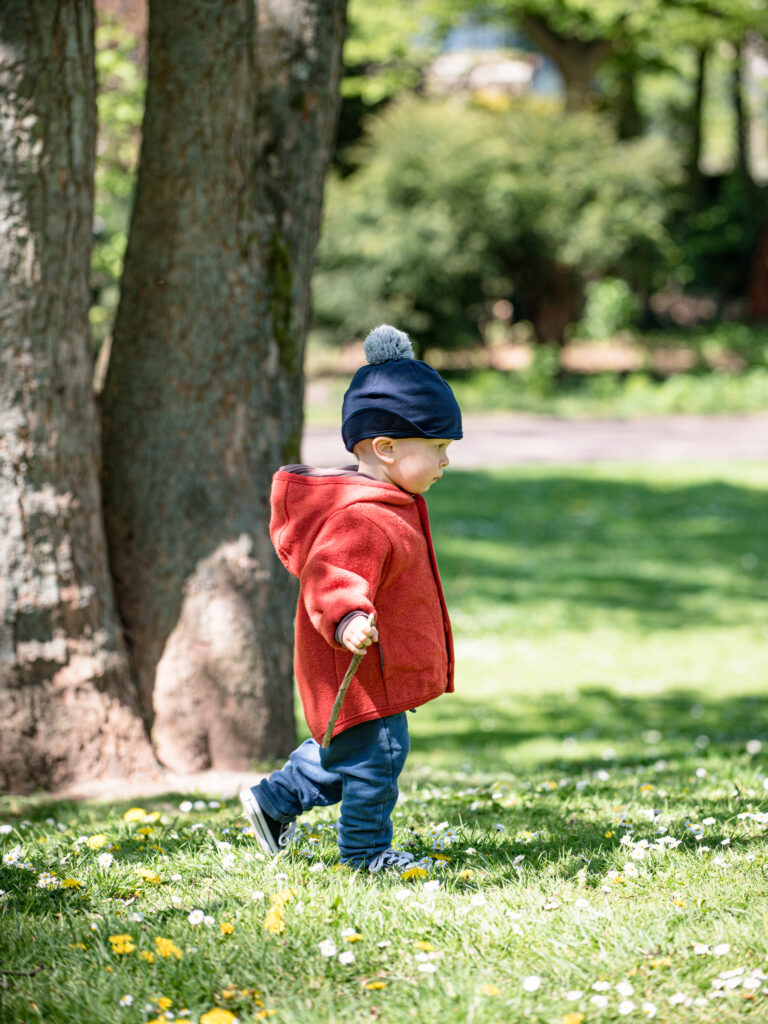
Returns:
(525, 890)
(587, 813)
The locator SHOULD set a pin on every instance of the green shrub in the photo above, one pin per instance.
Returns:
(610, 306)
(453, 207)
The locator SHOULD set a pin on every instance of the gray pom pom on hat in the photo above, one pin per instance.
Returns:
(385, 343)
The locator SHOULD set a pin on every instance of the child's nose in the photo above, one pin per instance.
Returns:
(445, 461)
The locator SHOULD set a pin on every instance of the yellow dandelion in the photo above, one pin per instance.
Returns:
(413, 873)
(679, 902)
(466, 873)
(146, 831)
(227, 927)
(42, 839)
(274, 922)
(161, 1002)
(134, 814)
(373, 986)
(146, 955)
(70, 883)
(122, 944)
(261, 1015)
(283, 897)
(148, 875)
(573, 1018)
(123, 948)
(441, 857)
(153, 816)
(609, 835)
(166, 948)
(426, 947)
(487, 990)
(218, 1016)
(353, 937)
(77, 945)
(230, 993)
(96, 842)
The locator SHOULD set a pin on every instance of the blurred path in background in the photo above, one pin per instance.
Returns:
(511, 440)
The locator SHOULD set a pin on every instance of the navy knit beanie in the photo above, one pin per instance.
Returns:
(395, 395)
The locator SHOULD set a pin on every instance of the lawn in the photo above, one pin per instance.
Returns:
(587, 812)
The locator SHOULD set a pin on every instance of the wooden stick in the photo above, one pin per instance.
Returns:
(348, 676)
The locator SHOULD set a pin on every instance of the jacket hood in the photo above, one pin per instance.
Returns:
(304, 498)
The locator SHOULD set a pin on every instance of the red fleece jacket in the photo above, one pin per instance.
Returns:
(361, 544)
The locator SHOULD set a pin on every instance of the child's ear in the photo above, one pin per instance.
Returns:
(384, 449)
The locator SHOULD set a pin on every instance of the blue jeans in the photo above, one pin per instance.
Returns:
(360, 768)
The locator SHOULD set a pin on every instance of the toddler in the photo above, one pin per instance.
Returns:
(358, 539)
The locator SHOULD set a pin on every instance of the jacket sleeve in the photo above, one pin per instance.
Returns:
(343, 570)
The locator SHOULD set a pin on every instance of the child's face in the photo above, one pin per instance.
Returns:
(417, 462)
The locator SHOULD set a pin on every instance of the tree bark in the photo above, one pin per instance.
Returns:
(67, 707)
(741, 132)
(576, 60)
(696, 125)
(203, 397)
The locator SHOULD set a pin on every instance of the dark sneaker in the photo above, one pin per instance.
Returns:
(398, 859)
(272, 835)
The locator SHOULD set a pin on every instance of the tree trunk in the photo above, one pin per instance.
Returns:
(203, 398)
(67, 708)
(696, 126)
(576, 60)
(553, 300)
(629, 120)
(758, 277)
(741, 140)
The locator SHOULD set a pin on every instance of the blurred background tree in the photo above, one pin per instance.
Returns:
(456, 208)
(558, 154)
(513, 153)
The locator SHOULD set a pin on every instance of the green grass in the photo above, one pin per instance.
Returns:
(601, 770)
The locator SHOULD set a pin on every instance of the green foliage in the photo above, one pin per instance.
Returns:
(611, 306)
(716, 238)
(120, 110)
(540, 390)
(386, 49)
(620, 21)
(456, 206)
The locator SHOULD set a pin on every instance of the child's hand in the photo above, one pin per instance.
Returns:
(359, 635)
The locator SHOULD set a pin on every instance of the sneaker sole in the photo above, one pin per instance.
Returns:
(252, 811)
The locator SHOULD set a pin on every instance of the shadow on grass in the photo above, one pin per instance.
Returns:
(670, 723)
(674, 555)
